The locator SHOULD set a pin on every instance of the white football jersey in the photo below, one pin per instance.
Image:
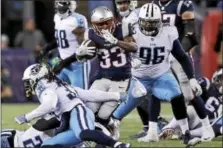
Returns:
(30, 138)
(66, 40)
(154, 51)
(54, 97)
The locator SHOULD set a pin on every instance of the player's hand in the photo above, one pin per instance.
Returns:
(195, 87)
(21, 119)
(168, 132)
(136, 63)
(84, 50)
(109, 37)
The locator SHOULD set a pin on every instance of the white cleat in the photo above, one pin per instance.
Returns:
(152, 136)
(208, 134)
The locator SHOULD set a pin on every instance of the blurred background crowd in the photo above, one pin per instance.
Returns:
(26, 26)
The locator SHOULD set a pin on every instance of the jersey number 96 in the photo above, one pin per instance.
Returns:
(153, 56)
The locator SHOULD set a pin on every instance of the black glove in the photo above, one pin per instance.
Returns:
(57, 69)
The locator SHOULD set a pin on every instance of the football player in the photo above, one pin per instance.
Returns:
(180, 14)
(69, 27)
(58, 97)
(155, 42)
(212, 96)
(113, 51)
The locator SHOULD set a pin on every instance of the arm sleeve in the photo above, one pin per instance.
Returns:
(96, 95)
(182, 58)
(49, 100)
(183, 6)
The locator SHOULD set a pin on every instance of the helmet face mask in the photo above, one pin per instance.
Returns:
(102, 18)
(63, 8)
(150, 19)
(32, 75)
(149, 27)
(124, 7)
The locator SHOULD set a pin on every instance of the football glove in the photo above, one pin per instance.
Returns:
(84, 50)
(21, 119)
(136, 63)
(195, 87)
(109, 37)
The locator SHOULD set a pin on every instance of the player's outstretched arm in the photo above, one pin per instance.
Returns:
(97, 95)
(49, 100)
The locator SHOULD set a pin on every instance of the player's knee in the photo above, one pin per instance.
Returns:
(138, 90)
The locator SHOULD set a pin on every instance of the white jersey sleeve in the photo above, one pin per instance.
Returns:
(173, 33)
(96, 95)
(48, 100)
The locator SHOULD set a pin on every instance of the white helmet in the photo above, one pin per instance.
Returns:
(65, 7)
(150, 19)
(32, 75)
(217, 79)
(132, 4)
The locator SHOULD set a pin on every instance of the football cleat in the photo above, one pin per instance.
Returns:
(189, 141)
(123, 145)
(141, 134)
(152, 136)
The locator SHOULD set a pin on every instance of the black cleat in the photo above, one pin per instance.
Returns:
(123, 145)
(189, 140)
(141, 134)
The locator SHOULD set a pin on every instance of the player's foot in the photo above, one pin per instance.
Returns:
(141, 134)
(123, 145)
(115, 129)
(152, 136)
(189, 140)
(208, 134)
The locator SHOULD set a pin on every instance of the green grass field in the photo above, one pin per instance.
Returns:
(130, 125)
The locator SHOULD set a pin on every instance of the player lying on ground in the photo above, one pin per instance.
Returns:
(212, 96)
(11, 138)
(58, 97)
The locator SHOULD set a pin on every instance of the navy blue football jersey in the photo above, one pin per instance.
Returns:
(211, 97)
(172, 11)
(115, 63)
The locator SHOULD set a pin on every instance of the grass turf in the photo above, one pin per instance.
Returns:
(130, 125)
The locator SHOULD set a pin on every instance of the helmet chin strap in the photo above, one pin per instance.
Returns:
(124, 13)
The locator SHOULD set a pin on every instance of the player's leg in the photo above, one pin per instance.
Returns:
(142, 110)
(197, 102)
(82, 123)
(63, 139)
(167, 88)
(136, 94)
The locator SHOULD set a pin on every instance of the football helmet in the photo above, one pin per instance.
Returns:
(124, 7)
(65, 7)
(150, 19)
(102, 18)
(32, 75)
(217, 80)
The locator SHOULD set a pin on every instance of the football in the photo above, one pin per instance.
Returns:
(89, 43)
